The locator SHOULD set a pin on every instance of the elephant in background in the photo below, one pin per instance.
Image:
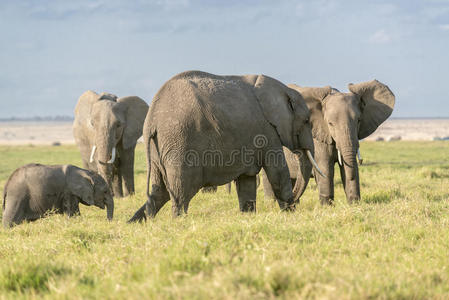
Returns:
(339, 121)
(106, 130)
(197, 113)
(34, 189)
(293, 167)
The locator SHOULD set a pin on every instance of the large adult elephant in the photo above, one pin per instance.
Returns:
(106, 130)
(339, 121)
(207, 130)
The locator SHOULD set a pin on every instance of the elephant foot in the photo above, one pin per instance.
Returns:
(139, 215)
(326, 200)
(287, 206)
(353, 200)
(248, 206)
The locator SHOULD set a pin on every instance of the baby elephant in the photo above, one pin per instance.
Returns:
(34, 189)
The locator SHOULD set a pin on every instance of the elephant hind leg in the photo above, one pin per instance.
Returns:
(157, 199)
(246, 191)
(14, 212)
(182, 185)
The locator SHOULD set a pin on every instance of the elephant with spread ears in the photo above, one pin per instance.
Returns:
(243, 121)
(339, 121)
(106, 129)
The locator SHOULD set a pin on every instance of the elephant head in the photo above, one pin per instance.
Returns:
(90, 189)
(344, 118)
(286, 110)
(116, 125)
(102, 194)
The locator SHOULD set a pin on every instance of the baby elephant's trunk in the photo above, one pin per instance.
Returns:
(110, 208)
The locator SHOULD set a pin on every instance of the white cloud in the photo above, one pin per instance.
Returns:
(380, 37)
(444, 27)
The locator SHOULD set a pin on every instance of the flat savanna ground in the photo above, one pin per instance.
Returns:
(393, 244)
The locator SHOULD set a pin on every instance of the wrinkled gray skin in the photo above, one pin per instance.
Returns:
(293, 168)
(196, 112)
(107, 123)
(34, 189)
(213, 189)
(339, 121)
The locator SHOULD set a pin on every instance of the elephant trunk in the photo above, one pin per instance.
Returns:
(105, 154)
(105, 171)
(303, 175)
(350, 162)
(306, 147)
(305, 140)
(110, 208)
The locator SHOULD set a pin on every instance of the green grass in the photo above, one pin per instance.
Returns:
(394, 244)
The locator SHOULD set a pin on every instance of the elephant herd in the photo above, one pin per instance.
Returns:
(201, 131)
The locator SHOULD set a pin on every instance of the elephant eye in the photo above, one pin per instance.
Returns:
(331, 124)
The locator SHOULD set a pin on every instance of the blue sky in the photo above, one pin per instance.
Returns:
(52, 51)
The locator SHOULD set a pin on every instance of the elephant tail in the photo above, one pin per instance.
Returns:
(147, 141)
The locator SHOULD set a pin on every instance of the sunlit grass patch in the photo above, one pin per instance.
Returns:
(393, 244)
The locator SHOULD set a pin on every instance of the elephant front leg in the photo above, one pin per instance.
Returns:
(117, 179)
(352, 187)
(70, 205)
(324, 155)
(279, 178)
(246, 191)
(127, 170)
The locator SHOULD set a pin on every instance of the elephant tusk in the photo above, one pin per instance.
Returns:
(91, 160)
(339, 157)
(359, 156)
(315, 165)
(113, 156)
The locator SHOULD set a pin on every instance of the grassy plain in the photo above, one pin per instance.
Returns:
(394, 244)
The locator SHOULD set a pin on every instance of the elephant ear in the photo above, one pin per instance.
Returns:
(135, 111)
(277, 106)
(80, 184)
(377, 105)
(83, 107)
(314, 99)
